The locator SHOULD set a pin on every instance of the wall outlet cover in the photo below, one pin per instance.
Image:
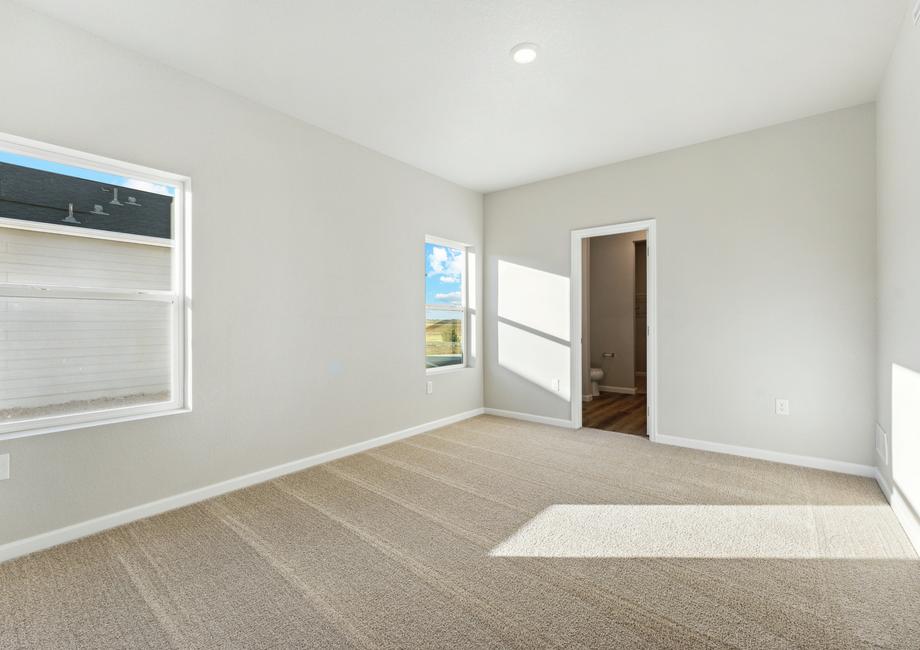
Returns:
(881, 443)
(782, 407)
(429, 387)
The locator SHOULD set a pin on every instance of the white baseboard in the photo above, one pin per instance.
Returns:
(42, 541)
(528, 417)
(625, 390)
(883, 484)
(909, 521)
(775, 456)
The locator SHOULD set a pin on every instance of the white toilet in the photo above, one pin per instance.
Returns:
(597, 374)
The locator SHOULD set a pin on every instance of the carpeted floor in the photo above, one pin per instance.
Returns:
(492, 533)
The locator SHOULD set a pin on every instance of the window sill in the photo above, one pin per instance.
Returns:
(446, 369)
(67, 426)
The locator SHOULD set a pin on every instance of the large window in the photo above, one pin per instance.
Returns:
(446, 322)
(93, 289)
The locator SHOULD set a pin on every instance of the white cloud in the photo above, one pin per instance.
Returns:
(445, 260)
(450, 279)
(437, 259)
(453, 296)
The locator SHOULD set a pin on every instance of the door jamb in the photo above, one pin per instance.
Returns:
(651, 361)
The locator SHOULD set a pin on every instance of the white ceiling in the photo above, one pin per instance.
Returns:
(430, 82)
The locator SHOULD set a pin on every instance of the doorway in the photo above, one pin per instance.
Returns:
(613, 308)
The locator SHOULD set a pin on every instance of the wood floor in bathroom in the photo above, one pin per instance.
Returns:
(616, 412)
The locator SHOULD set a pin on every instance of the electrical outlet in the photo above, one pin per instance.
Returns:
(429, 389)
(782, 407)
(556, 385)
(4, 466)
(881, 443)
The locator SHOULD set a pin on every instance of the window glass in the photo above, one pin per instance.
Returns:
(445, 305)
(91, 302)
(64, 356)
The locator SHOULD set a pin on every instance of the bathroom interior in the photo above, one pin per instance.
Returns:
(614, 333)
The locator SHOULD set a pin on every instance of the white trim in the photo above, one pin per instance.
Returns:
(902, 511)
(529, 417)
(66, 156)
(84, 293)
(651, 317)
(71, 231)
(96, 419)
(443, 370)
(623, 390)
(814, 462)
(906, 517)
(449, 243)
(883, 484)
(42, 541)
(436, 307)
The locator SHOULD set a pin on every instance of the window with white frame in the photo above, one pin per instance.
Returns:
(446, 317)
(93, 289)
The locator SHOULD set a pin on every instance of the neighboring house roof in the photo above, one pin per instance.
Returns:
(45, 197)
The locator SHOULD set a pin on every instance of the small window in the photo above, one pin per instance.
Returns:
(446, 322)
(93, 290)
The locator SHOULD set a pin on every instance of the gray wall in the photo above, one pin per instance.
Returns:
(899, 254)
(641, 308)
(766, 285)
(308, 280)
(612, 316)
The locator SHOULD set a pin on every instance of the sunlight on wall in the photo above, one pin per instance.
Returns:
(535, 299)
(536, 358)
(705, 531)
(533, 326)
(905, 433)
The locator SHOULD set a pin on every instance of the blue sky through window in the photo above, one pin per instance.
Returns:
(88, 174)
(443, 278)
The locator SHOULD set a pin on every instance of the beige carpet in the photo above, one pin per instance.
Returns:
(492, 533)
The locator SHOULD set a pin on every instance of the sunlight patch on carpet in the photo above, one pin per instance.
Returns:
(702, 531)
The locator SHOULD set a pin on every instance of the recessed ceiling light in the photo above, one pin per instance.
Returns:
(524, 52)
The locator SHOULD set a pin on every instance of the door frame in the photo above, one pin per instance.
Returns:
(651, 360)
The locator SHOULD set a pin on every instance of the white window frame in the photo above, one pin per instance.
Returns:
(464, 304)
(179, 296)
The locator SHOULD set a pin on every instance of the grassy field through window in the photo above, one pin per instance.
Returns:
(443, 342)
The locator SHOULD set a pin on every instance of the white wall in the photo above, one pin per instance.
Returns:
(613, 312)
(766, 285)
(899, 264)
(308, 280)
